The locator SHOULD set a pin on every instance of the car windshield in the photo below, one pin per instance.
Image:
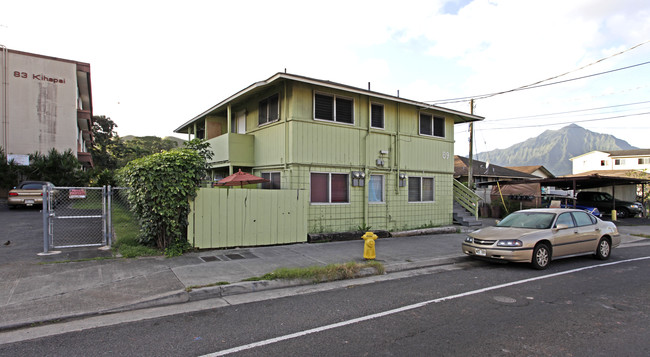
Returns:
(32, 186)
(531, 220)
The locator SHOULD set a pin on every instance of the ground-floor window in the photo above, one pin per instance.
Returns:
(376, 189)
(420, 189)
(329, 188)
(274, 180)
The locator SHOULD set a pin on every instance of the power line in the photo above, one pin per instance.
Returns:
(483, 96)
(567, 122)
(569, 111)
(538, 83)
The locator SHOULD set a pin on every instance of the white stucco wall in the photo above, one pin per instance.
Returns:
(41, 105)
(591, 161)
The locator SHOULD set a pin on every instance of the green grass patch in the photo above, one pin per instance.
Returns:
(330, 272)
(642, 235)
(192, 287)
(126, 236)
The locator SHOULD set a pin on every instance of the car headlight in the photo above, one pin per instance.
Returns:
(469, 239)
(510, 243)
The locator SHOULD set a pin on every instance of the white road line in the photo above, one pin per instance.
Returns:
(406, 308)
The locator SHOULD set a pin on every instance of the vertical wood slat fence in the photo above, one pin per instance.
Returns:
(234, 217)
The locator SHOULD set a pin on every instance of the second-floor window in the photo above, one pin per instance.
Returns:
(269, 109)
(333, 108)
(377, 116)
(431, 125)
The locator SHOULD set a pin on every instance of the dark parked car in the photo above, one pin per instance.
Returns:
(605, 203)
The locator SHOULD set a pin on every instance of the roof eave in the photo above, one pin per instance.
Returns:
(459, 117)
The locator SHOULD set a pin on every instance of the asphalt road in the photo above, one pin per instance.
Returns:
(579, 306)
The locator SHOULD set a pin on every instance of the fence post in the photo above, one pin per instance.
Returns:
(46, 213)
(109, 220)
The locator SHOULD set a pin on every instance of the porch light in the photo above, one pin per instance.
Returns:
(402, 180)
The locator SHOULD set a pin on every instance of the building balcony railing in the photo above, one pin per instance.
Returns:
(85, 158)
(233, 149)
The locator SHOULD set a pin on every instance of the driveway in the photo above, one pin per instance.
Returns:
(21, 238)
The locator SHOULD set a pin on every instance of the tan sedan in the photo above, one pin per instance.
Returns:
(27, 193)
(538, 236)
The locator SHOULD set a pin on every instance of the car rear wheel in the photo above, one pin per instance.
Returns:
(604, 249)
(541, 256)
(622, 213)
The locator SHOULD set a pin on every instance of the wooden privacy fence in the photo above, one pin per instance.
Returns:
(233, 217)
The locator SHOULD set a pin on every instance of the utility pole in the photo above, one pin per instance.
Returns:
(470, 178)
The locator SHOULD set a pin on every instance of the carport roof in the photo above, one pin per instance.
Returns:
(586, 180)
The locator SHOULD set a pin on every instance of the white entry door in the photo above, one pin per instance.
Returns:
(239, 123)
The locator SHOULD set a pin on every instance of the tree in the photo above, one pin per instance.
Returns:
(107, 148)
(162, 185)
(145, 145)
(202, 147)
(9, 172)
(62, 169)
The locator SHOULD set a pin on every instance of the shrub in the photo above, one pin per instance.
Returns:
(161, 186)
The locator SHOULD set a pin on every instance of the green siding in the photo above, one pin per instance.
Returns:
(297, 145)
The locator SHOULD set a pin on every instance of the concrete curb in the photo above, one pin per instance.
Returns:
(219, 291)
(426, 231)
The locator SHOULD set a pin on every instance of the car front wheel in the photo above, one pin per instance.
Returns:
(604, 249)
(541, 256)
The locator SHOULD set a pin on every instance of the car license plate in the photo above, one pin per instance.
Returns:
(29, 202)
(481, 252)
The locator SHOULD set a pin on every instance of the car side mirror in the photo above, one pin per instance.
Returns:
(560, 227)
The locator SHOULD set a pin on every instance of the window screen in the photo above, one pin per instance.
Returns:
(439, 127)
(323, 107)
(377, 116)
(425, 124)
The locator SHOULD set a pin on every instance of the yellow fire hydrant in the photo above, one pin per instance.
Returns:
(369, 245)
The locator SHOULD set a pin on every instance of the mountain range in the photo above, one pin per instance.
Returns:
(554, 148)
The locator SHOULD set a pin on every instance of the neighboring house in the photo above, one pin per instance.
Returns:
(612, 160)
(618, 163)
(484, 172)
(537, 170)
(363, 157)
(45, 103)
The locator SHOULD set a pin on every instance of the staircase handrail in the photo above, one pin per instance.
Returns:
(466, 197)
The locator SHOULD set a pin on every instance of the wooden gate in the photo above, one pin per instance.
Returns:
(234, 217)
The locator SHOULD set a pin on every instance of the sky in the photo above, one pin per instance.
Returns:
(157, 64)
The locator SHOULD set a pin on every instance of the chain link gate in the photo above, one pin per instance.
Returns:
(80, 216)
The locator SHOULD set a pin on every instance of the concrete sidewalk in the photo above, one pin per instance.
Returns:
(32, 292)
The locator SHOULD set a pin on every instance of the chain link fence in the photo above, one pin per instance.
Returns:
(87, 216)
(77, 216)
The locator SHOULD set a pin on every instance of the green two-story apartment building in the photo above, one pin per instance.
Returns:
(363, 157)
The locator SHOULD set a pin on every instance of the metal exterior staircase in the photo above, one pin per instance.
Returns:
(465, 206)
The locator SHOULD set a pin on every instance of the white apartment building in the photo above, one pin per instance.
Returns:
(45, 103)
(612, 160)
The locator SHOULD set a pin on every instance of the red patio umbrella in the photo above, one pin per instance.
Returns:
(240, 179)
